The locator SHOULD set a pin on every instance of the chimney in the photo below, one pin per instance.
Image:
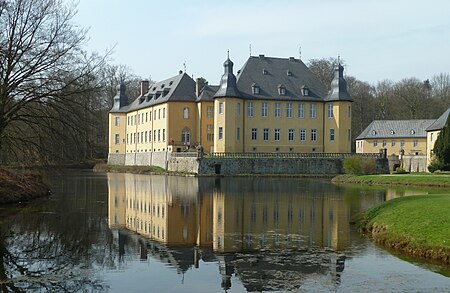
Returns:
(199, 84)
(144, 87)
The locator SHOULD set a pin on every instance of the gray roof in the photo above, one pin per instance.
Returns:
(396, 129)
(120, 99)
(339, 86)
(207, 93)
(270, 74)
(441, 122)
(180, 88)
(228, 86)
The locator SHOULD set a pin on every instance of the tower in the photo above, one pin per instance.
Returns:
(228, 113)
(337, 116)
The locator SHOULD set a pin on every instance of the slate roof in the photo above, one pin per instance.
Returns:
(396, 129)
(179, 88)
(441, 122)
(270, 73)
(228, 82)
(207, 93)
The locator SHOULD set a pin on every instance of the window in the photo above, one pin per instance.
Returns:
(289, 110)
(266, 134)
(250, 109)
(281, 90)
(384, 143)
(186, 136)
(220, 107)
(375, 143)
(142, 137)
(138, 138)
(277, 110)
(159, 113)
(186, 113)
(150, 135)
(265, 109)
(134, 137)
(402, 143)
(301, 110)
(313, 111)
(159, 134)
(150, 115)
(117, 139)
(415, 142)
(431, 137)
(127, 139)
(330, 110)
(210, 127)
(164, 113)
(117, 121)
(164, 135)
(313, 134)
(146, 117)
(255, 89)
(238, 133)
(138, 119)
(254, 133)
(154, 114)
(210, 111)
(146, 137)
(210, 136)
(277, 134)
(349, 111)
(238, 109)
(154, 135)
(128, 120)
(393, 143)
(302, 134)
(220, 132)
(291, 134)
(331, 134)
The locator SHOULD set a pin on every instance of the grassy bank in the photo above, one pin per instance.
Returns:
(129, 169)
(416, 179)
(20, 187)
(416, 225)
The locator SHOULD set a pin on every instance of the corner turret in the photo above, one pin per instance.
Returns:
(339, 86)
(228, 87)
(121, 99)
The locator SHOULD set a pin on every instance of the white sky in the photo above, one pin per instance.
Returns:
(378, 39)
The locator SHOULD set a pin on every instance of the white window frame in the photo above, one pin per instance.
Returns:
(302, 134)
(264, 109)
(266, 134)
(291, 134)
(289, 110)
(277, 134)
(330, 110)
(250, 109)
(332, 134)
(254, 133)
(314, 135)
(277, 110)
(313, 110)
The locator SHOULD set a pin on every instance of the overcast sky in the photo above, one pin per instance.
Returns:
(378, 39)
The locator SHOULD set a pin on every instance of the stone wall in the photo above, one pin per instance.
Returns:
(116, 159)
(231, 166)
(416, 163)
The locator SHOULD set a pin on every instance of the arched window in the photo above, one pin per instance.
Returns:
(186, 136)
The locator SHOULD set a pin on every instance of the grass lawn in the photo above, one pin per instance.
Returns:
(417, 225)
(419, 179)
(130, 169)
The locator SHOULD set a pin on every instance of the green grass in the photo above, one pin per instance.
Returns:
(129, 169)
(418, 179)
(417, 225)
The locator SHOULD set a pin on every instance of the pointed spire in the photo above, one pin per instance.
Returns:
(121, 99)
(339, 85)
(228, 87)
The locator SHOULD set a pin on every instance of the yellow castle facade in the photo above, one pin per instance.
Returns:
(271, 105)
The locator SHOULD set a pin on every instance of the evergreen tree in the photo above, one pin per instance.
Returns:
(442, 149)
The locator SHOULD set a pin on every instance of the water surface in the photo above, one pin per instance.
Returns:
(140, 233)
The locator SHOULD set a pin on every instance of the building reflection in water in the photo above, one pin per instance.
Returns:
(266, 231)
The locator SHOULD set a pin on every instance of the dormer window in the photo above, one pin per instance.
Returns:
(374, 132)
(265, 72)
(289, 73)
(392, 132)
(305, 91)
(162, 86)
(255, 89)
(413, 131)
(281, 90)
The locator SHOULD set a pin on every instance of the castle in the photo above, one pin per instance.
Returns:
(271, 105)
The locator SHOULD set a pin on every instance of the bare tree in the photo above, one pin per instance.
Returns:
(42, 70)
(324, 69)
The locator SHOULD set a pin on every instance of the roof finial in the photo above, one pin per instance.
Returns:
(300, 52)
(250, 49)
(339, 59)
(228, 54)
(184, 65)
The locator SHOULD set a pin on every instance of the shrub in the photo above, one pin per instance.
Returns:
(435, 166)
(353, 166)
(360, 166)
(369, 166)
(399, 170)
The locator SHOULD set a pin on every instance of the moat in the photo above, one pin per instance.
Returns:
(116, 232)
